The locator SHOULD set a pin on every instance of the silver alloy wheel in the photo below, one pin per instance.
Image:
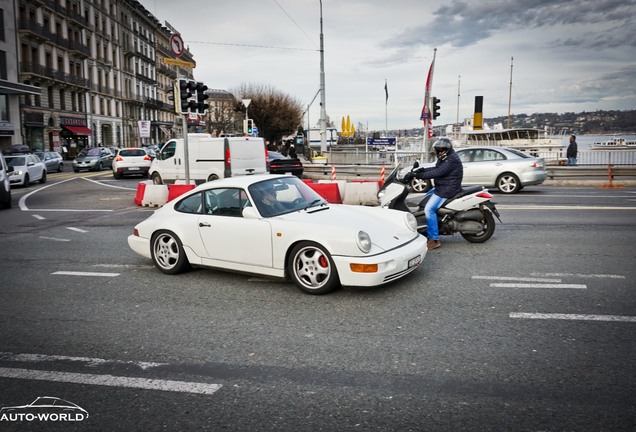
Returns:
(168, 254)
(508, 183)
(312, 269)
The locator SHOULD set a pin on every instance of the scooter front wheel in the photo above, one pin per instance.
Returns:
(489, 229)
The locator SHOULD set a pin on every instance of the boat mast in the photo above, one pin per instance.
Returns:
(459, 79)
(510, 92)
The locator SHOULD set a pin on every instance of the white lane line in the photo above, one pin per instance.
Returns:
(90, 361)
(111, 381)
(54, 239)
(537, 285)
(519, 279)
(75, 273)
(79, 230)
(601, 276)
(573, 317)
(108, 185)
(38, 217)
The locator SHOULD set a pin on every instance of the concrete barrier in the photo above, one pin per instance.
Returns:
(342, 186)
(328, 191)
(176, 190)
(155, 195)
(141, 190)
(362, 193)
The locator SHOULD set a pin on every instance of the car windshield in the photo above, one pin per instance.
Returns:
(16, 161)
(90, 152)
(283, 195)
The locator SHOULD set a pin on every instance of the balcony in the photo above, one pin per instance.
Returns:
(38, 70)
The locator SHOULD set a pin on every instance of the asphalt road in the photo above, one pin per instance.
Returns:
(531, 331)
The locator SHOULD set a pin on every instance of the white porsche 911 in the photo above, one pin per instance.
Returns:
(277, 226)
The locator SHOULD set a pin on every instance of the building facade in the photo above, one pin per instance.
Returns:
(99, 67)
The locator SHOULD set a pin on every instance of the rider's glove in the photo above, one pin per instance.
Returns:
(408, 177)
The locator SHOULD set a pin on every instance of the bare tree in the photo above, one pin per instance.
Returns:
(275, 113)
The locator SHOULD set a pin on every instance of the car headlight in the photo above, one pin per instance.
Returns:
(410, 220)
(364, 241)
(15, 173)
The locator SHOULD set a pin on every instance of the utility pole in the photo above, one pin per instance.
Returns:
(323, 109)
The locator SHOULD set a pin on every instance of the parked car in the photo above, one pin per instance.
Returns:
(509, 170)
(94, 158)
(291, 231)
(131, 161)
(279, 164)
(5, 184)
(52, 159)
(27, 168)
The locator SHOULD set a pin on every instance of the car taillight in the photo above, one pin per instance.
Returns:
(266, 158)
(119, 159)
(228, 162)
(136, 232)
(147, 157)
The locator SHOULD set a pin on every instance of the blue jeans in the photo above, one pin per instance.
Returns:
(571, 161)
(430, 211)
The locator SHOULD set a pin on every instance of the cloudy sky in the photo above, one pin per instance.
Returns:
(565, 56)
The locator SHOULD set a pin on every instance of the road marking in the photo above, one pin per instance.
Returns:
(111, 381)
(574, 317)
(90, 361)
(519, 279)
(609, 276)
(536, 285)
(79, 230)
(54, 239)
(74, 273)
(38, 217)
(108, 185)
(561, 207)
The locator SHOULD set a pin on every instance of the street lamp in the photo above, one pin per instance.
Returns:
(323, 110)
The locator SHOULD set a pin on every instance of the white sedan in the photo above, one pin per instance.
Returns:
(275, 225)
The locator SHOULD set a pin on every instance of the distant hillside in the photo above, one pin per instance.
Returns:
(596, 122)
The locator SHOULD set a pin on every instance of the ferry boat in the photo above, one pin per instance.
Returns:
(615, 143)
(535, 142)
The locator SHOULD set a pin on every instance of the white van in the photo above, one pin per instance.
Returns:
(209, 158)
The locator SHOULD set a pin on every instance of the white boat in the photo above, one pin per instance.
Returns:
(615, 143)
(536, 142)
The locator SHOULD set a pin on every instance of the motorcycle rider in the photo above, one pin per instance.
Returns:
(448, 174)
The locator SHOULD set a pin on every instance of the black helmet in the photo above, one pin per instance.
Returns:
(442, 146)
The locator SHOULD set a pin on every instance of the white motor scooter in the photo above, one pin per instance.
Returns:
(469, 213)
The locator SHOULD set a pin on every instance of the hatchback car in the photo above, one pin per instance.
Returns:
(52, 159)
(94, 158)
(27, 168)
(279, 164)
(5, 185)
(131, 161)
(292, 233)
(509, 170)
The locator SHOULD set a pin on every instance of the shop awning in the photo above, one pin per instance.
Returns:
(79, 130)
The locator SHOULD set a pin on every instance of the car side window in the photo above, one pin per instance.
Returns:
(168, 150)
(225, 202)
(466, 155)
(192, 204)
(492, 155)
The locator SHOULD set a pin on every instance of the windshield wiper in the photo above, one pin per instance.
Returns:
(314, 202)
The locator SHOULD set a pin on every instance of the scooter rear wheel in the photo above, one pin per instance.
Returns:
(489, 229)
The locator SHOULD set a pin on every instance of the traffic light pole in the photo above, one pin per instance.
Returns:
(186, 154)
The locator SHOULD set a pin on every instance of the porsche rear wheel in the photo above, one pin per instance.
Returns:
(168, 254)
(311, 268)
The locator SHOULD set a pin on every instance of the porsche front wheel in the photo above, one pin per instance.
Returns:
(311, 268)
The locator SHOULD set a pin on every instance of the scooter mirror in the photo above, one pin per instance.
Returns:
(416, 164)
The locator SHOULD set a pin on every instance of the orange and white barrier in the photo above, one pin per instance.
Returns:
(333, 172)
(382, 175)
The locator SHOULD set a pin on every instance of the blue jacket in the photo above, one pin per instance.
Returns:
(448, 174)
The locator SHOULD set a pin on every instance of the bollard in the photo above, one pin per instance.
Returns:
(333, 172)
(381, 175)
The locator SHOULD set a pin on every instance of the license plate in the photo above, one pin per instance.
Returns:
(133, 169)
(414, 262)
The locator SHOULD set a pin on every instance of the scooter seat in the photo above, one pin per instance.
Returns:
(467, 191)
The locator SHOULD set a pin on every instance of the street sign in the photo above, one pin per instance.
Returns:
(381, 141)
(254, 131)
(178, 62)
(176, 44)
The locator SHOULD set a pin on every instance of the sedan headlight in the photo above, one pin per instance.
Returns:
(364, 241)
(410, 220)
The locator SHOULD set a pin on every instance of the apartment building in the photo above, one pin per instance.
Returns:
(99, 66)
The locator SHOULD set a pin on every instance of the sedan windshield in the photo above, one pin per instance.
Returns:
(283, 195)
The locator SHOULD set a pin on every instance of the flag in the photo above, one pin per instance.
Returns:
(429, 83)
(386, 91)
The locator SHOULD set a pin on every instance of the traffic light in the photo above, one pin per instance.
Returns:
(186, 98)
(201, 96)
(436, 102)
(250, 126)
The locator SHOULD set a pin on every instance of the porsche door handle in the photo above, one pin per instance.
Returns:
(204, 225)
